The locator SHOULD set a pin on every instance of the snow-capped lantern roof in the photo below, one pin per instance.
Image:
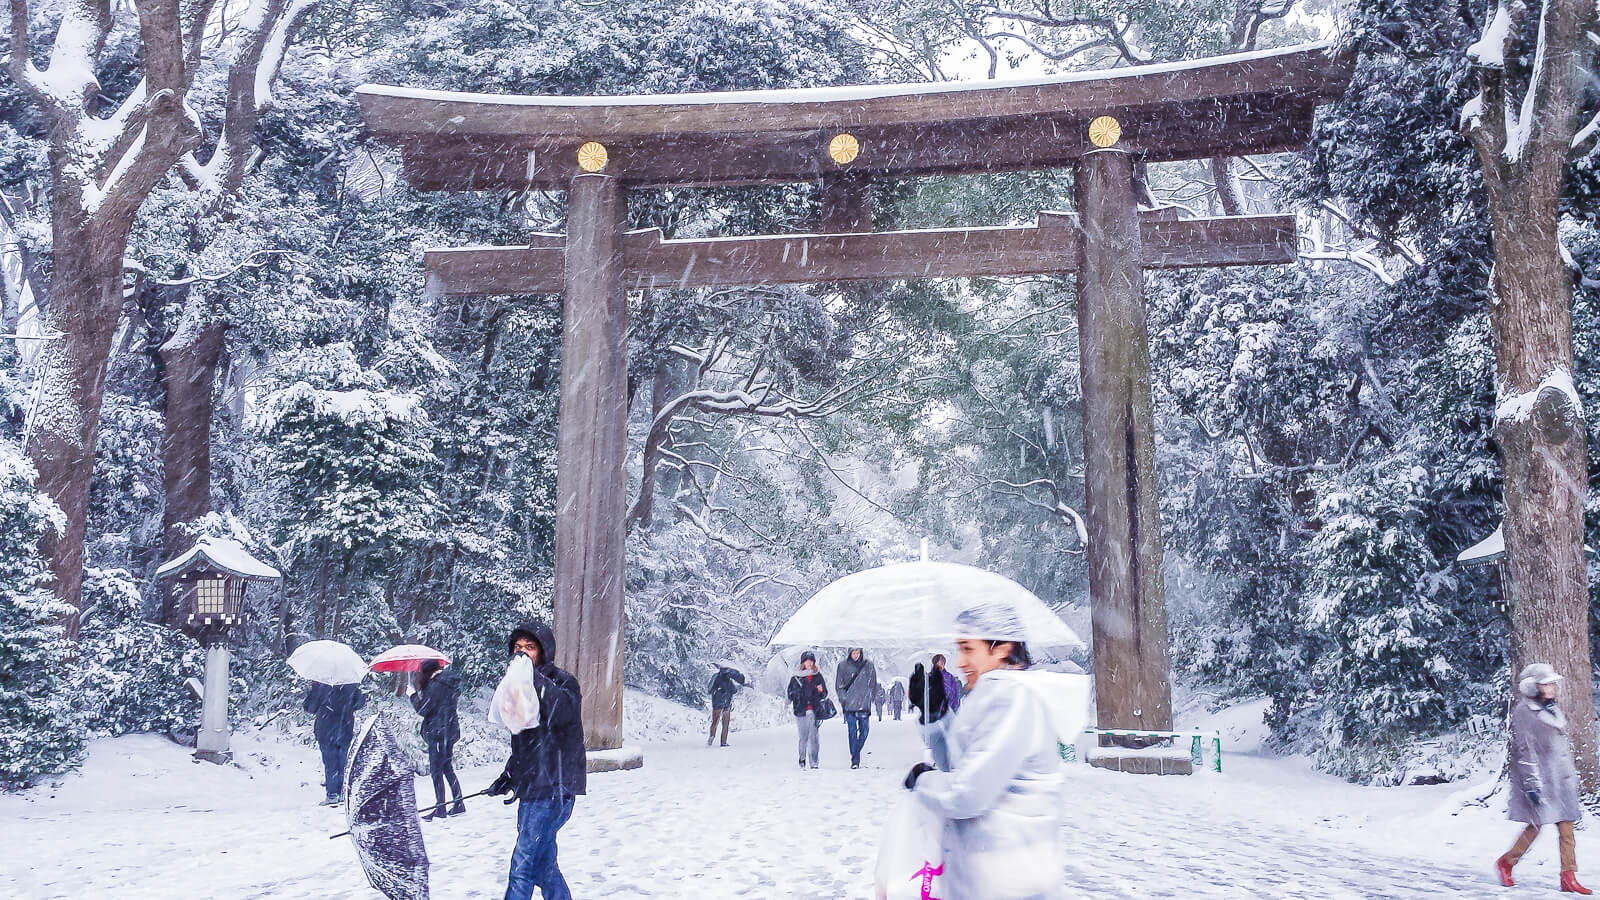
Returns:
(222, 554)
(1490, 549)
(208, 583)
(1493, 549)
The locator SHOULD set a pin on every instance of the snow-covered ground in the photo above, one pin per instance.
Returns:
(142, 821)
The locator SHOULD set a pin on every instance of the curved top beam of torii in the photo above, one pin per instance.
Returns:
(1258, 102)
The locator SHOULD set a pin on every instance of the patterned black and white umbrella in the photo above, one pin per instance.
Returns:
(380, 803)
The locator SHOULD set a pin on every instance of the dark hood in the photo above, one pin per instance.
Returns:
(541, 634)
(447, 676)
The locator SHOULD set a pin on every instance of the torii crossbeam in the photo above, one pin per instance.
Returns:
(1101, 123)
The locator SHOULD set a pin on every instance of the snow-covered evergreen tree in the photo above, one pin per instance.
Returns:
(41, 728)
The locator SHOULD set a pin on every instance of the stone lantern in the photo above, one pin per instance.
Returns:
(207, 585)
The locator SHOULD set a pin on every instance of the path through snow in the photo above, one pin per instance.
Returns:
(143, 822)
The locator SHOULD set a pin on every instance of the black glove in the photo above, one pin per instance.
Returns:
(1533, 798)
(501, 785)
(916, 772)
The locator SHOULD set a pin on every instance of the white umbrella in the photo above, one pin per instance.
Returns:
(912, 604)
(329, 662)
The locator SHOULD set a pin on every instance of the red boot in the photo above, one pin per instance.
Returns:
(1503, 866)
(1570, 885)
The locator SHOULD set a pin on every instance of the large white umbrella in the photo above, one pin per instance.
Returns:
(329, 662)
(913, 604)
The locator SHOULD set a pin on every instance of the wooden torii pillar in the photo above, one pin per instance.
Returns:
(1101, 124)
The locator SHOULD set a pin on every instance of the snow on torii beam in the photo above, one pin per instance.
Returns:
(1048, 248)
(1259, 102)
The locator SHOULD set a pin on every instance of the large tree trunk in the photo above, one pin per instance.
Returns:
(86, 303)
(1543, 448)
(189, 375)
(1523, 124)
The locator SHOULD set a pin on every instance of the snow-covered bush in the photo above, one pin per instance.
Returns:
(131, 670)
(40, 723)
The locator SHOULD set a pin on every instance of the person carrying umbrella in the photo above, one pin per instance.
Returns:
(438, 688)
(1544, 780)
(727, 682)
(546, 771)
(998, 780)
(857, 680)
(807, 691)
(897, 699)
(334, 706)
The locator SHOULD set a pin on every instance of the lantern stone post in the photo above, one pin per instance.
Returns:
(206, 587)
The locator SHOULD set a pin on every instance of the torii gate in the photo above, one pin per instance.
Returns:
(1101, 123)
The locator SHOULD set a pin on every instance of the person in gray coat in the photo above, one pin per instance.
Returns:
(1544, 780)
(857, 681)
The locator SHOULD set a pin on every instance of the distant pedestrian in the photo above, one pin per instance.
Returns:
(334, 706)
(1544, 780)
(438, 690)
(950, 683)
(918, 693)
(546, 771)
(879, 698)
(857, 680)
(807, 691)
(726, 683)
(998, 779)
(897, 699)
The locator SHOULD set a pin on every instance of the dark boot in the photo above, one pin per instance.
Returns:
(457, 808)
(437, 810)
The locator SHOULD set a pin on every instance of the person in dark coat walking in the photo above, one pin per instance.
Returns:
(807, 690)
(546, 771)
(897, 699)
(335, 707)
(435, 700)
(950, 683)
(917, 693)
(857, 681)
(1544, 779)
(879, 699)
(723, 687)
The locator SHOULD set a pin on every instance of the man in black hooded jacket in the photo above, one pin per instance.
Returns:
(546, 771)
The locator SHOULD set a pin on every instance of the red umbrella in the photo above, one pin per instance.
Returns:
(406, 658)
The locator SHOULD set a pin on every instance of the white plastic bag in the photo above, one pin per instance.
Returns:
(910, 855)
(516, 701)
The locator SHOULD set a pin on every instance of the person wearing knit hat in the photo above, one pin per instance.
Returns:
(998, 785)
(1544, 779)
(808, 695)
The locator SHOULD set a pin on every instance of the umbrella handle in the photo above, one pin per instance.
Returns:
(424, 809)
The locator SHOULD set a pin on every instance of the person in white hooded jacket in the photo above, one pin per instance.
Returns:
(998, 785)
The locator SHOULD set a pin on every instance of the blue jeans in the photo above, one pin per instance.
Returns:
(333, 757)
(533, 862)
(857, 724)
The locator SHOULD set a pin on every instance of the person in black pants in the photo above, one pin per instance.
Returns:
(335, 707)
(435, 700)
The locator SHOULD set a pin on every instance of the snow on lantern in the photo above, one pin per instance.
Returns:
(207, 585)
